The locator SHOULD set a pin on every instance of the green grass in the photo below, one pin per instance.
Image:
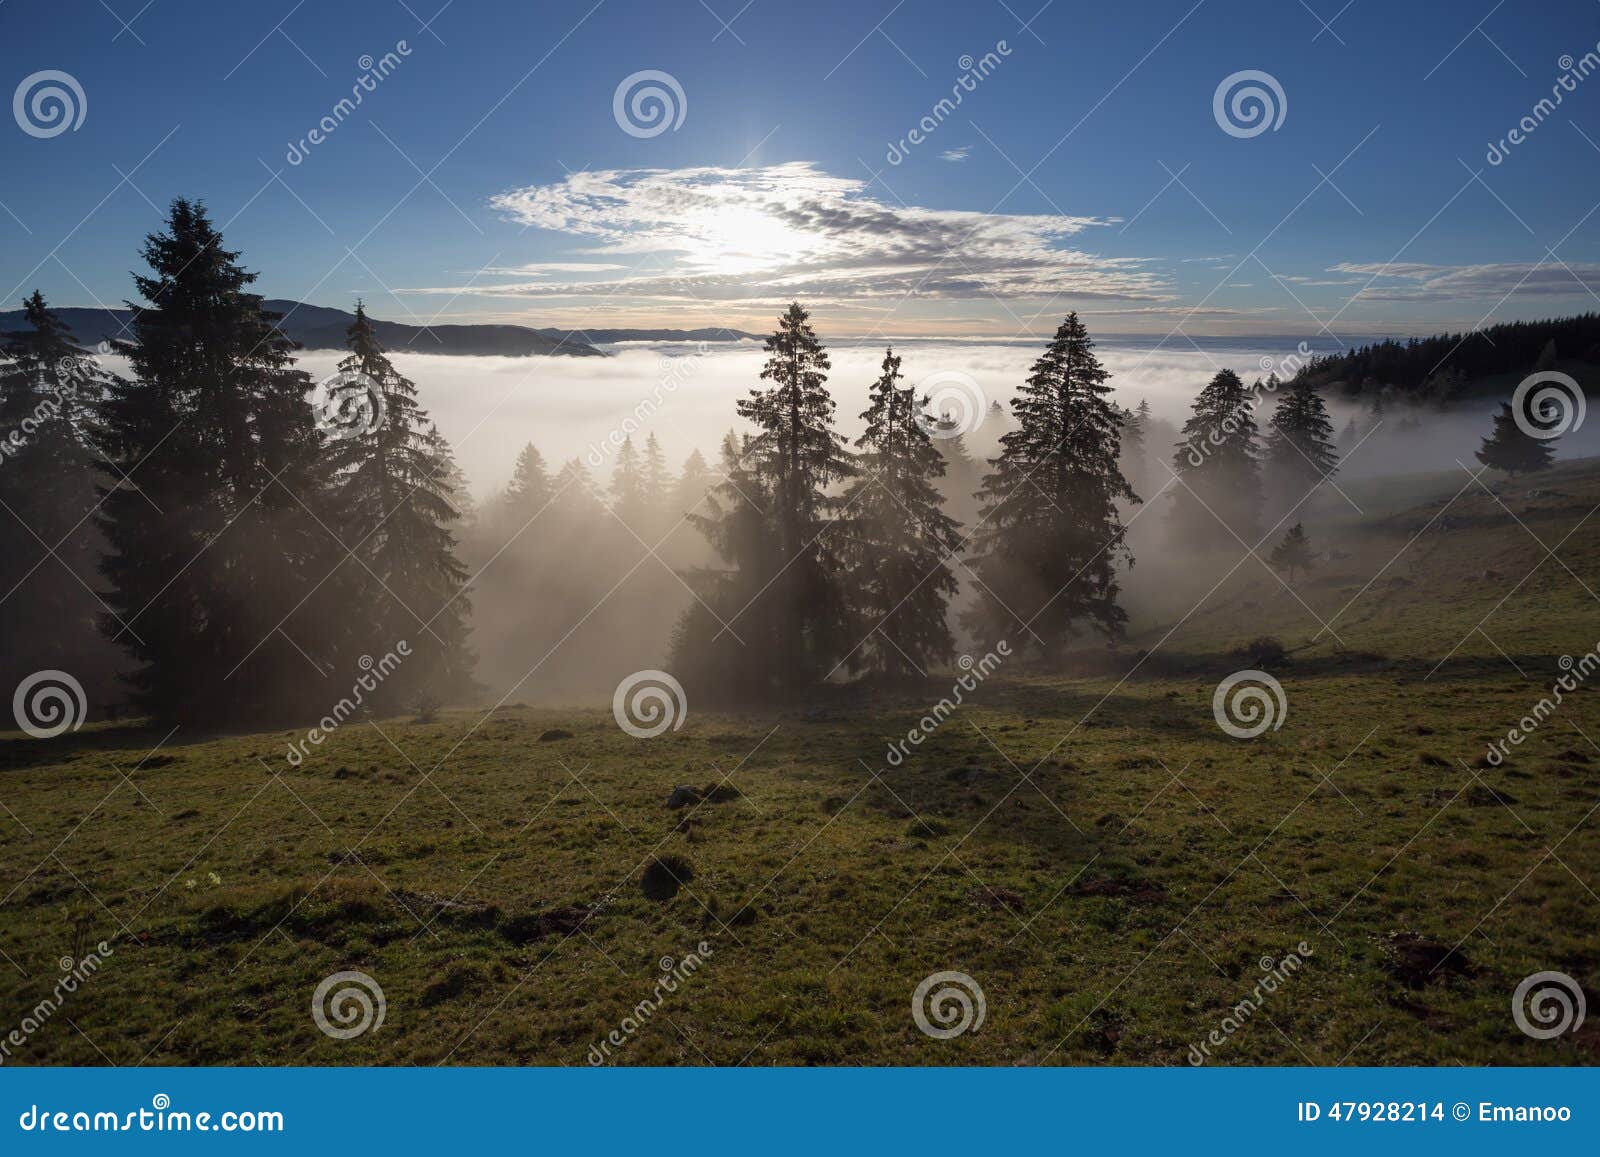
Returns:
(1092, 850)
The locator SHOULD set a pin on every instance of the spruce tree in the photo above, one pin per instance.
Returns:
(1050, 535)
(1135, 432)
(396, 516)
(629, 501)
(1507, 447)
(48, 606)
(526, 495)
(1299, 450)
(1218, 464)
(1294, 552)
(798, 454)
(690, 488)
(658, 483)
(736, 515)
(217, 544)
(900, 537)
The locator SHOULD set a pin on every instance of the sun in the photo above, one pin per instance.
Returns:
(734, 240)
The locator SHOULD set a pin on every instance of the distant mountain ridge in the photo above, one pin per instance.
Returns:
(319, 327)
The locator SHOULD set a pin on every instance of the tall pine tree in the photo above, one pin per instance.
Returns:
(215, 544)
(900, 538)
(396, 515)
(1050, 535)
(798, 455)
(736, 515)
(48, 605)
(1219, 468)
(1299, 450)
(628, 491)
(1508, 447)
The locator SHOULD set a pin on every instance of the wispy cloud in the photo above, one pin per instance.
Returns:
(713, 235)
(958, 154)
(1413, 281)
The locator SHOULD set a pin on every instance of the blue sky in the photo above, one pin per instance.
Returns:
(486, 177)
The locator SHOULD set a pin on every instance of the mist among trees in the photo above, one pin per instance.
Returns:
(217, 538)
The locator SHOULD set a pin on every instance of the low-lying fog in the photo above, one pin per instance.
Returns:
(566, 605)
(490, 407)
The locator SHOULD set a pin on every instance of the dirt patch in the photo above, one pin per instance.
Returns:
(554, 734)
(1481, 795)
(662, 878)
(995, 899)
(562, 921)
(450, 910)
(1139, 891)
(1417, 961)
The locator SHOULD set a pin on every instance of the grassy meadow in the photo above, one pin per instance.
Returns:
(1088, 846)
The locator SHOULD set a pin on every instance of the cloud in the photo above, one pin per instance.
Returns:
(717, 235)
(540, 268)
(958, 154)
(1414, 281)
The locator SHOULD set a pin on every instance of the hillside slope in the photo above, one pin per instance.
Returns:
(1113, 870)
